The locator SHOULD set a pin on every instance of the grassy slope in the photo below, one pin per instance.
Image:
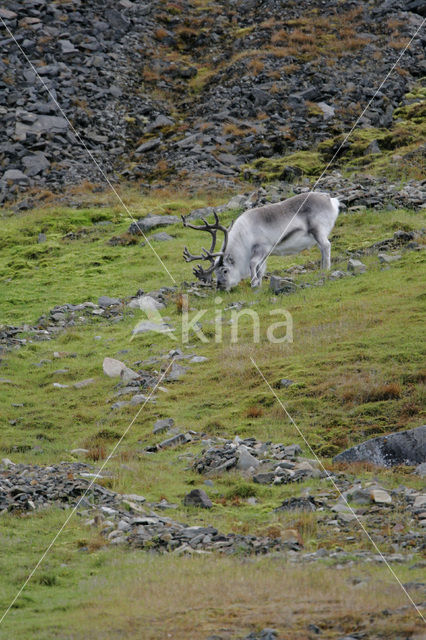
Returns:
(352, 338)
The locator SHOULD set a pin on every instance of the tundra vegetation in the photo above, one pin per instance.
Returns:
(358, 372)
(188, 103)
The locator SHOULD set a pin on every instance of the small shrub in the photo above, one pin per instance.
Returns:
(96, 453)
(243, 490)
(47, 579)
(279, 36)
(256, 66)
(254, 412)
(160, 33)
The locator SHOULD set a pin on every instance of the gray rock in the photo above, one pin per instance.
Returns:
(79, 452)
(35, 164)
(327, 110)
(198, 359)
(138, 398)
(356, 266)
(421, 470)
(146, 303)
(344, 511)
(163, 425)
(380, 496)
(117, 20)
(160, 122)
(297, 504)
(83, 383)
(237, 202)
(286, 382)
(67, 47)
(404, 447)
(336, 275)
(134, 497)
(176, 372)
(162, 236)
(180, 438)
(282, 285)
(264, 478)
(245, 459)
(151, 222)
(49, 124)
(106, 301)
(387, 259)
(358, 496)
(15, 176)
(145, 326)
(115, 368)
(197, 498)
(292, 450)
(373, 147)
(148, 146)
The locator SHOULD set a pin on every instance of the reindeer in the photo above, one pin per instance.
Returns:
(284, 228)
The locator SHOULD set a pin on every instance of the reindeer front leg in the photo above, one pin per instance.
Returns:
(257, 266)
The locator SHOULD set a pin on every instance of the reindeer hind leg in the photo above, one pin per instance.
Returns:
(324, 245)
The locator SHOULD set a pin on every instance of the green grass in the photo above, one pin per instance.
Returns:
(84, 589)
(352, 338)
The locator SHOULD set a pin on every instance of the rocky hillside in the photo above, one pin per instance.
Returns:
(204, 92)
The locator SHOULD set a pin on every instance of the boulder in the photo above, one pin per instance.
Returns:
(151, 222)
(15, 176)
(282, 285)
(356, 266)
(35, 164)
(197, 498)
(404, 447)
(115, 369)
(245, 460)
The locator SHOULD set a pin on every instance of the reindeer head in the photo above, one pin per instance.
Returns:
(216, 259)
(227, 274)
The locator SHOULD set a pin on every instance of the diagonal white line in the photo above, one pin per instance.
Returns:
(83, 144)
(342, 143)
(52, 542)
(361, 524)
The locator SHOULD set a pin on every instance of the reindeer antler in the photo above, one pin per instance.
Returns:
(207, 254)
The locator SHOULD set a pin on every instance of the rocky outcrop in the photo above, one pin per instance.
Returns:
(404, 447)
(149, 90)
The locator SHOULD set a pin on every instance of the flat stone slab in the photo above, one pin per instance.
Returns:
(151, 222)
(405, 447)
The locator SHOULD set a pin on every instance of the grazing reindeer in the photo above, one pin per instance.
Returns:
(281, 229)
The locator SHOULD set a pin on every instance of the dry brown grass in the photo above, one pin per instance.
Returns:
(96, 453)
(279, 36)
(160, 33)
(149, 75)
(161, 167)
(275, 74)
(234, 130)
(254, 412)
(394, 23)
(398, 44)
(205, 126)
(269, 23)
(365, 390)
(195, 597)
(256, 66)
(290, 68)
